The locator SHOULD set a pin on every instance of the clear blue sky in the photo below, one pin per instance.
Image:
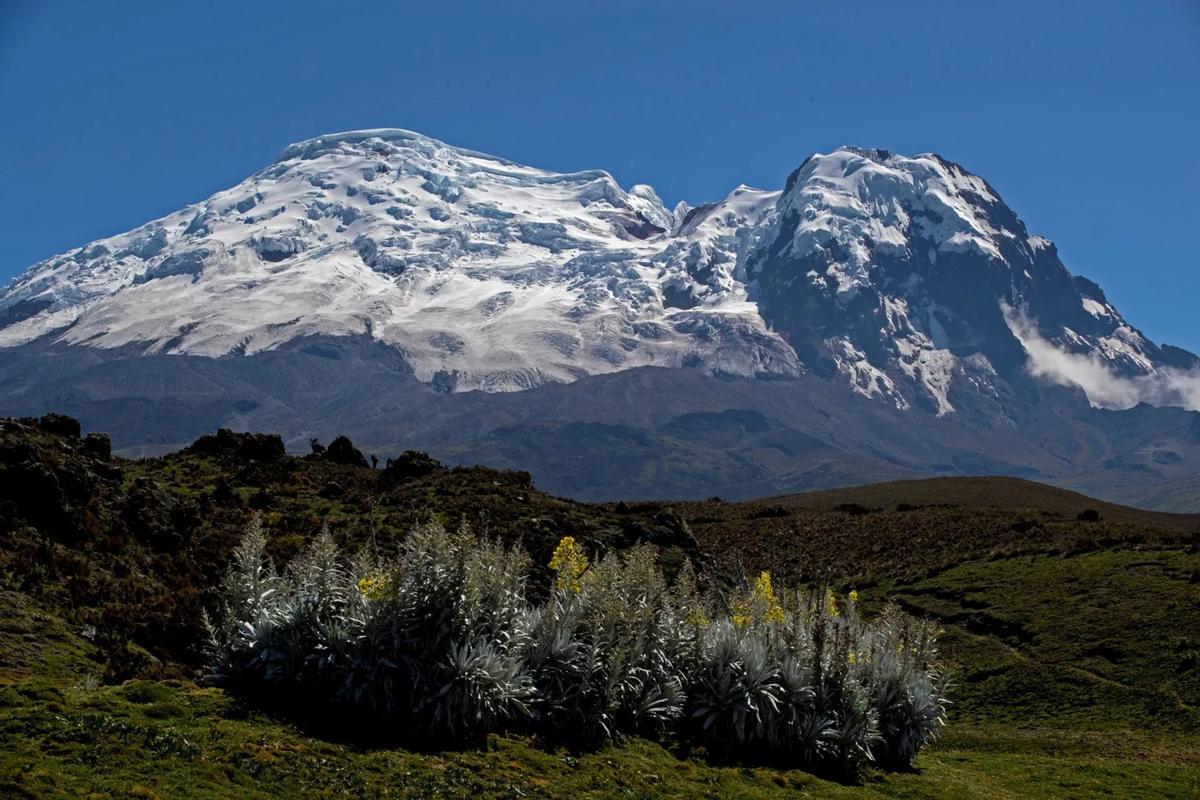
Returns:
(1084, 115)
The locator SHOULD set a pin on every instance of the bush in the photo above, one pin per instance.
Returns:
(441, 642)
(607, 647)
(434, 641)
(805, 678)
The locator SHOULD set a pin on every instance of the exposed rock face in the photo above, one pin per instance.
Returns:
(233, 447)
(410, 465)
(378, 282)
(342, 451)
(49, 476)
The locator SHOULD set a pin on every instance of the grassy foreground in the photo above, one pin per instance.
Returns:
(1076, 640)
(63, 734)
(170, 739)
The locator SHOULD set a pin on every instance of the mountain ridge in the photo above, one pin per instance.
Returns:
(643, 433)
(488, 274)
(879, 317)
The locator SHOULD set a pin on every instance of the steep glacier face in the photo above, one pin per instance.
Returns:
(912, 280)
(484, 273)
(906, 277)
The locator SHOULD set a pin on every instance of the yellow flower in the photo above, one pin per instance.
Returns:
(852, 658)
(374, 587)
(697, 618)
(760, 604)
(764, 592)
(854, 595)
(763, 589)
(740, 613)
(831, 603)
(569, 563)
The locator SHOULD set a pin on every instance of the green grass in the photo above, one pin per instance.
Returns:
(63, 735)
(1076, 644)
(1106, 639)
(36, 643)
(174, 740)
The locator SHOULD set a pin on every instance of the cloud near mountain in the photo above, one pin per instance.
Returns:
(1166, 386)
(855, 324)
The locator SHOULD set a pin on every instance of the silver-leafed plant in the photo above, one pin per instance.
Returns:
(440, 642)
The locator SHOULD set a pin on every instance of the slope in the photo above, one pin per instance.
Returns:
(1074, 639)
(879, 317)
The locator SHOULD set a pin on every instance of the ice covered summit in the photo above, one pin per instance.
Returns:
(888, 272)
(364, 274)
(500, 275)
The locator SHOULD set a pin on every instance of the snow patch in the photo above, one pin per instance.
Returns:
(494, 275)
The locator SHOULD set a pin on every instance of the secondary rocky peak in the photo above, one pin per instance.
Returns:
(888, 272)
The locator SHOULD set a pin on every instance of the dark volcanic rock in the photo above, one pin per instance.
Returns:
(342, 451)
(158, 518)
(411, 464)
(48, 480)
(98, 446)
(60, 424)
(227, 445)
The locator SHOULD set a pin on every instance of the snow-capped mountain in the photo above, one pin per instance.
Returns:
(911, 278)
(879, 316)
(483, 273)
(906, 277)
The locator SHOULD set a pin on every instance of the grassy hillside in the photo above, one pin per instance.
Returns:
(1060, 610)
(1075, 640)
(134, 548)
(64, 734)
(910, 528)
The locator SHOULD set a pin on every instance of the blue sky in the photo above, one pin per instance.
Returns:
(1084, 115)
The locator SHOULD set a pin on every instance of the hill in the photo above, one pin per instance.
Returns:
(134, 547)
(900, 529)
(1074, 639)
(1051, 600)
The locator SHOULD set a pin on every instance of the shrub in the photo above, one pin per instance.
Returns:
(606, 647)
(433, 642)
(441, 642)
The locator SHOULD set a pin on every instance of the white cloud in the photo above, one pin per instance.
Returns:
(1104, 388)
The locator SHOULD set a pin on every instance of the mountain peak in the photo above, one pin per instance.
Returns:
(888, 272)
(877, 155)
(345, 140)
(498, 275)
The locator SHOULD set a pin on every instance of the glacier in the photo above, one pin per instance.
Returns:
(889, 273)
